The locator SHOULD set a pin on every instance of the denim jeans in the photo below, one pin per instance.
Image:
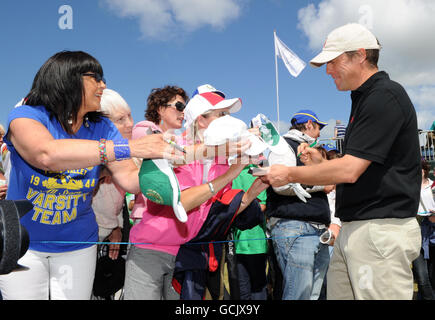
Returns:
(302, 258)
(421, 276)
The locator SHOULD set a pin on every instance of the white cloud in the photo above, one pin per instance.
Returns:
(424, 98)
(169, 19)
(405, 30)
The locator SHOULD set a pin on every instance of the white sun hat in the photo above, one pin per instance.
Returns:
(349, 37)
(229, 128)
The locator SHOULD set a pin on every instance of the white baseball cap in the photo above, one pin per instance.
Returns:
(349, 37)
(230, 128)
(206, 101)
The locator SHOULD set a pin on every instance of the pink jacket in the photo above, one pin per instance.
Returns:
(139, 130)
(159, 229)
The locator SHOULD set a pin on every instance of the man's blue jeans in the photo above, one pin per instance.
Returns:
(302, 258)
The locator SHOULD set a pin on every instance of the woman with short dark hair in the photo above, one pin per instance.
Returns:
(160, 98)
(59, 142)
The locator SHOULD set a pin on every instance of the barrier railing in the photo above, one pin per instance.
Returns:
(427, 144)
(336, 142)
(426, 138)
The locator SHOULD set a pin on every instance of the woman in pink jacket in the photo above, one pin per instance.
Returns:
(157, 238)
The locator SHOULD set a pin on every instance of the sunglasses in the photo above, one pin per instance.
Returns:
(180, 106)
(96, 76)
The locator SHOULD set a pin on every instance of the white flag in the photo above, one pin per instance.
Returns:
(293, 63)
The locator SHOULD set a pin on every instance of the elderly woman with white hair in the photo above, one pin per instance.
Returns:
(108, 199)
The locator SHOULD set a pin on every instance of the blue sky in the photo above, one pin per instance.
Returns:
(144, 44)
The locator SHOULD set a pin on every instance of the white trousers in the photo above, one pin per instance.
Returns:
(55, 276)
(372, 260)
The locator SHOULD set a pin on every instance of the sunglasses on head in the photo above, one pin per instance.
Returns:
(96, 76)
(180, 106)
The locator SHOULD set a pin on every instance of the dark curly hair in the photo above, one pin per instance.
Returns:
(158, 98)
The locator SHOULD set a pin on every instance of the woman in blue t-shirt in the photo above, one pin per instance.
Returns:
(58, 142)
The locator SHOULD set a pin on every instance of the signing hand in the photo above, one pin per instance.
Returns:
(309, 156)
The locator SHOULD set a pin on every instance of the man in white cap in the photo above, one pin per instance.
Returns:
(378, 178)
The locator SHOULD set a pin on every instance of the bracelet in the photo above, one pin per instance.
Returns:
(102, 152)
(121, 149)
(210, 185)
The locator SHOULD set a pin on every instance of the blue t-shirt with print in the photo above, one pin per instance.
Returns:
(62, 218)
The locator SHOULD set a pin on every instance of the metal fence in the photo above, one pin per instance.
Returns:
(426, 138)
(427, 144)
(336, 142)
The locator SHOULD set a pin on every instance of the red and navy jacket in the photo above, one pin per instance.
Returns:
(204, 252)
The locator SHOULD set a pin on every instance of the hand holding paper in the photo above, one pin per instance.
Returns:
(276, 176)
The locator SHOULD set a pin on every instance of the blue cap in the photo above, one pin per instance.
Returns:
(329, 147)
(303, 116)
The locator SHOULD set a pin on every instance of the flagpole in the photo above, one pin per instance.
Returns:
(276, 77)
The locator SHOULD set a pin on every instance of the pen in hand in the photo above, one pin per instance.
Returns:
(176, 146)
(172, 143)
(311, 145)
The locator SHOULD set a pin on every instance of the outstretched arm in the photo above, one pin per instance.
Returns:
(195, 196)
(36, 145)
(256, 188)
(343, 170)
